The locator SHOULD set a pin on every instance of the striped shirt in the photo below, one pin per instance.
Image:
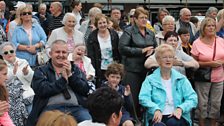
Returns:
(56, 22)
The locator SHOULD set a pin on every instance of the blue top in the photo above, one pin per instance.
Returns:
(20, 37)
(152, 95)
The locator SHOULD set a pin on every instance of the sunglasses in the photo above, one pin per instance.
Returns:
(26, 13)
(8, 52)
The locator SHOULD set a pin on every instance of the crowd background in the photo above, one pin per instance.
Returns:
(81, 48)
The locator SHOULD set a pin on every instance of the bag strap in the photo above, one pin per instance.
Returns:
(214, 52)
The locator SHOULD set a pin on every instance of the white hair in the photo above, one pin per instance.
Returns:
(66, 17)
(168, 18)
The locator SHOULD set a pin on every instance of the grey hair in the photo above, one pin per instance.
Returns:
(66, 17)
(43, 5)
(163, 48)
(183, 10)
(93, 11)
(58, 41)
(4, 44)
(163, 9)
(210, 10)
(220, 14)
(168, 18)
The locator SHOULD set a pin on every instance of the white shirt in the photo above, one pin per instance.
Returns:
(169, 105)
(90, 123)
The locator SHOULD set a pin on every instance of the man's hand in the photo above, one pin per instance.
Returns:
(67, 67)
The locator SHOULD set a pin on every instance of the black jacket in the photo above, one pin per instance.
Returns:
(45, 85)
(94, 51)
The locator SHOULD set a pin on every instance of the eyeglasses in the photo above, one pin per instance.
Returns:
(131, 16)
(26, 13)
(8, 52)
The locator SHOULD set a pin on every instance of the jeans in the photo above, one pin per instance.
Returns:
(77, 111)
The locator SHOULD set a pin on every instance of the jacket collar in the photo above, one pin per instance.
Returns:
(136, 30)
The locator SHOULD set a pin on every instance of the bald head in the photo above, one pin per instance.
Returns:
(185, 15)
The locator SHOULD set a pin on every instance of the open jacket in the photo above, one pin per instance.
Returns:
(45, 85)
(152, 95)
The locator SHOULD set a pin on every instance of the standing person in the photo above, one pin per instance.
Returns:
(116, 15)
(102, 46)
(79, 15)
(56, 10)
(184, 21)
(18, 84)
(166, 94)
(135, 45)
(207, 50)
(184, 36)
(59, 85)
(5, 120)
(28, 37)
(105, 106)
(67, 33)
(161, 14)
(44, 18)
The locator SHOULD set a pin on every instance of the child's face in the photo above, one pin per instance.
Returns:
(3, 76)
(185, 37)
(79, 51)
(113, 80)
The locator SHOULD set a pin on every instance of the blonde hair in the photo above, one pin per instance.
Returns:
(26, 7)
(163, 48)
(56, 118)
(203, 25)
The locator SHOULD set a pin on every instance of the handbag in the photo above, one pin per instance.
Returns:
(42, 56)
(203, 74)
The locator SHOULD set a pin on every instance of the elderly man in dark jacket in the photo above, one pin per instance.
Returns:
(59, 85)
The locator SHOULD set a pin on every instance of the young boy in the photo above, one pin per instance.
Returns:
(185, 38)
(114, 74)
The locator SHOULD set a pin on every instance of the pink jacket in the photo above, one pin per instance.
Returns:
(5, 120)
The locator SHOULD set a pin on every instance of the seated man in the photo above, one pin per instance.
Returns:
(59, 85)
(105, 106)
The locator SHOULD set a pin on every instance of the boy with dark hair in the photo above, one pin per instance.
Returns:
(185, 38)
(114, 74)
(104, 106)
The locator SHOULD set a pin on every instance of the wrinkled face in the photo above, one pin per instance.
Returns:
(3, 75)
(26, 15)
(79, 51)
(141, 20)
(166, 60)
(169, 26)
(186, 16)
(185, 37)
(113, 80)
(54, 9)
(102, 24)
(210, 29)
(9, 54)
(59, 54)
(42, 10)
(116, 14)
(172, 41)
(70, 23)
(213, 14)
(162, 15)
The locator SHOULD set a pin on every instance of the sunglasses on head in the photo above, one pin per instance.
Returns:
(26, 13)
(8, 52)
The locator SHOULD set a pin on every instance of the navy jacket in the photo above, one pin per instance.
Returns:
(45, 85)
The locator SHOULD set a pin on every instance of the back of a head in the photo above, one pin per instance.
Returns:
(56, 118)
(103, 103)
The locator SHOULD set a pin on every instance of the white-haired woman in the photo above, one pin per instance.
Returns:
(18, 83)
(68, 33)
(88, 26)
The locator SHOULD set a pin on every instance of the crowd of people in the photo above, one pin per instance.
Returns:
(104, 71)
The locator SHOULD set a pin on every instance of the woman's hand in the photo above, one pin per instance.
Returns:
(4, 107)
(157, 116)
(216, 63)
(31, 49)
(25, 70)
(177, 113)
(15, 68)
(148, 50)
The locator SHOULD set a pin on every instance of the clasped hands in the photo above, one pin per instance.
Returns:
(158, 115)
(148, 50)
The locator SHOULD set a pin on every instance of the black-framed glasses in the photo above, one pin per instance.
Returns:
(26, 13)
(8, 52)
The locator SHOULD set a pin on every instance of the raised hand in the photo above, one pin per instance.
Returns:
(25, 70)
